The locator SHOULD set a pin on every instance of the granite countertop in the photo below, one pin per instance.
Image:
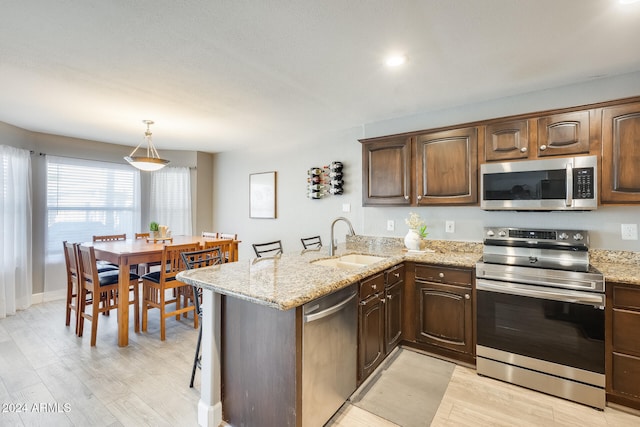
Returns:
(292, 280)
(617, 266)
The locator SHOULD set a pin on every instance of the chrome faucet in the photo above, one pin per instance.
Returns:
(333, 246)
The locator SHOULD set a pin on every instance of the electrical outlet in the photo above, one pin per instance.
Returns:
(346, 207)
(450, 226)
(629, 231)
(391, 225)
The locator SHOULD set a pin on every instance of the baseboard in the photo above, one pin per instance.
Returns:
(41, 297)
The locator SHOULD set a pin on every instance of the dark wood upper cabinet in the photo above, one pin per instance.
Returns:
(620, 175)
(447, 167)
(386, 172)
(563, 134)
(438, 168)
(507, 140)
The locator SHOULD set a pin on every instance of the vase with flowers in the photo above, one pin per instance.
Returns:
(414, 240)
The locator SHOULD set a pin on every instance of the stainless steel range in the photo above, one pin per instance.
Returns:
(540, 313)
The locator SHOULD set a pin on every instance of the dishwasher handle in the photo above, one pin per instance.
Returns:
(329, 311)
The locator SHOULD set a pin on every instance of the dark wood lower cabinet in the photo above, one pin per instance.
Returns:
(393, 316)
(622, 344)
(371, 349)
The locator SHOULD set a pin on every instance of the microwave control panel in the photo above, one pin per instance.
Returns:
(583, 183)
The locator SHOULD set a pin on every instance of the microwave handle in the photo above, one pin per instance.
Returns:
(569, 198)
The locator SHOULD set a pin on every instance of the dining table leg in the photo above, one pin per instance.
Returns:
(123, 305)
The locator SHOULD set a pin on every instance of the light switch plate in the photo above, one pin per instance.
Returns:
(346, 207)
(391, 225)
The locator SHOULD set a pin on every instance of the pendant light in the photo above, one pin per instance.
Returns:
(152, 161)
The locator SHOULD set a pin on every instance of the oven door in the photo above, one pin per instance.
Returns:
(564, 327)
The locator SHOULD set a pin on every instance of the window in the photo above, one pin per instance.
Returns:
(171, 199)
(86, 198)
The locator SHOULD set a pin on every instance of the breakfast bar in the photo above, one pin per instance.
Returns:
(252, 325)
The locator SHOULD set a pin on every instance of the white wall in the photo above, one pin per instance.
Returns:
(299, 216)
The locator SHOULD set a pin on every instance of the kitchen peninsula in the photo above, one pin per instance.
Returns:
(252, 334)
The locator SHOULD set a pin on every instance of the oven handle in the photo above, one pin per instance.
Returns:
(540, 292)
(569, 199)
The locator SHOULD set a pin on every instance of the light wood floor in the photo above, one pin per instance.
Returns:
(57, 379)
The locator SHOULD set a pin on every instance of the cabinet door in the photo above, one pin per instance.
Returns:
(444, 316)
(393, 316)
(371, 345)
(621, 154)
(507, 140)
(447, 167)
(386, 172)
(563, 134)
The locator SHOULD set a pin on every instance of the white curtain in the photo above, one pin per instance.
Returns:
(15, 224)
(171, 199)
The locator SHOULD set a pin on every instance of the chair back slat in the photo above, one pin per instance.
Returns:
(110, 238)
(268, 249)
(210, 234)
(142, 235)
(311, 242)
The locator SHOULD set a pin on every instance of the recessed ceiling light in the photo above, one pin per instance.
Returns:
(395, 60)
(627, 1)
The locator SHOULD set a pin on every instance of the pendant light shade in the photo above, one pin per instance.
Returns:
(150, 162)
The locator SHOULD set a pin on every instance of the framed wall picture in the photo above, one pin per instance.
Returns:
(262, 195)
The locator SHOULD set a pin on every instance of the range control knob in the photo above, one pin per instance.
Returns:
(490, 233)
(578, 236)
(502, 233)
(563, 236)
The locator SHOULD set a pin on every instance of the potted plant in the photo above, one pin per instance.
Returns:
(154, 230)
(417, 232)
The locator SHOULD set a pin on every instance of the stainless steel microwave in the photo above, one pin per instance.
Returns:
(566, 183)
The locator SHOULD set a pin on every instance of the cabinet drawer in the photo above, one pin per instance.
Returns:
(371, 285)
(626, 325)
(626, 297)
(395, 275)
(443, 275)
(626, 371)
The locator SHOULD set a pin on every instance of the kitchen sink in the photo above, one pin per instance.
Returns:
(349, 262)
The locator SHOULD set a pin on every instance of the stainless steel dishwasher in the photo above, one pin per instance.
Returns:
(329, 354)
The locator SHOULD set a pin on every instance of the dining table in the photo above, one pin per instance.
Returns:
(125, 253)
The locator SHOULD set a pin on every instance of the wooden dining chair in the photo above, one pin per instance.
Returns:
(268, 249)
(103, 288)
(73, 294)
(156, 283)
(199, 259)
(311, 242)
(227, 247)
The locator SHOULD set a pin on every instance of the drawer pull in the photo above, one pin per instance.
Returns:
(390, 296)
(396, 275)
(374, 286)
(441, 275)
(467, 296)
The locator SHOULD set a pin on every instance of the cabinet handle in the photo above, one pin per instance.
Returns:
(523, 150)
(384, 301)
(419, 197)
(543, 147)
(467, 296)
(389, 296)
(363, 303)
(374, 286)
(396, 275)
(406, 197)
(441, 275)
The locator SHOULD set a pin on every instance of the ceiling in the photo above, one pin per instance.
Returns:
(230, 74)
